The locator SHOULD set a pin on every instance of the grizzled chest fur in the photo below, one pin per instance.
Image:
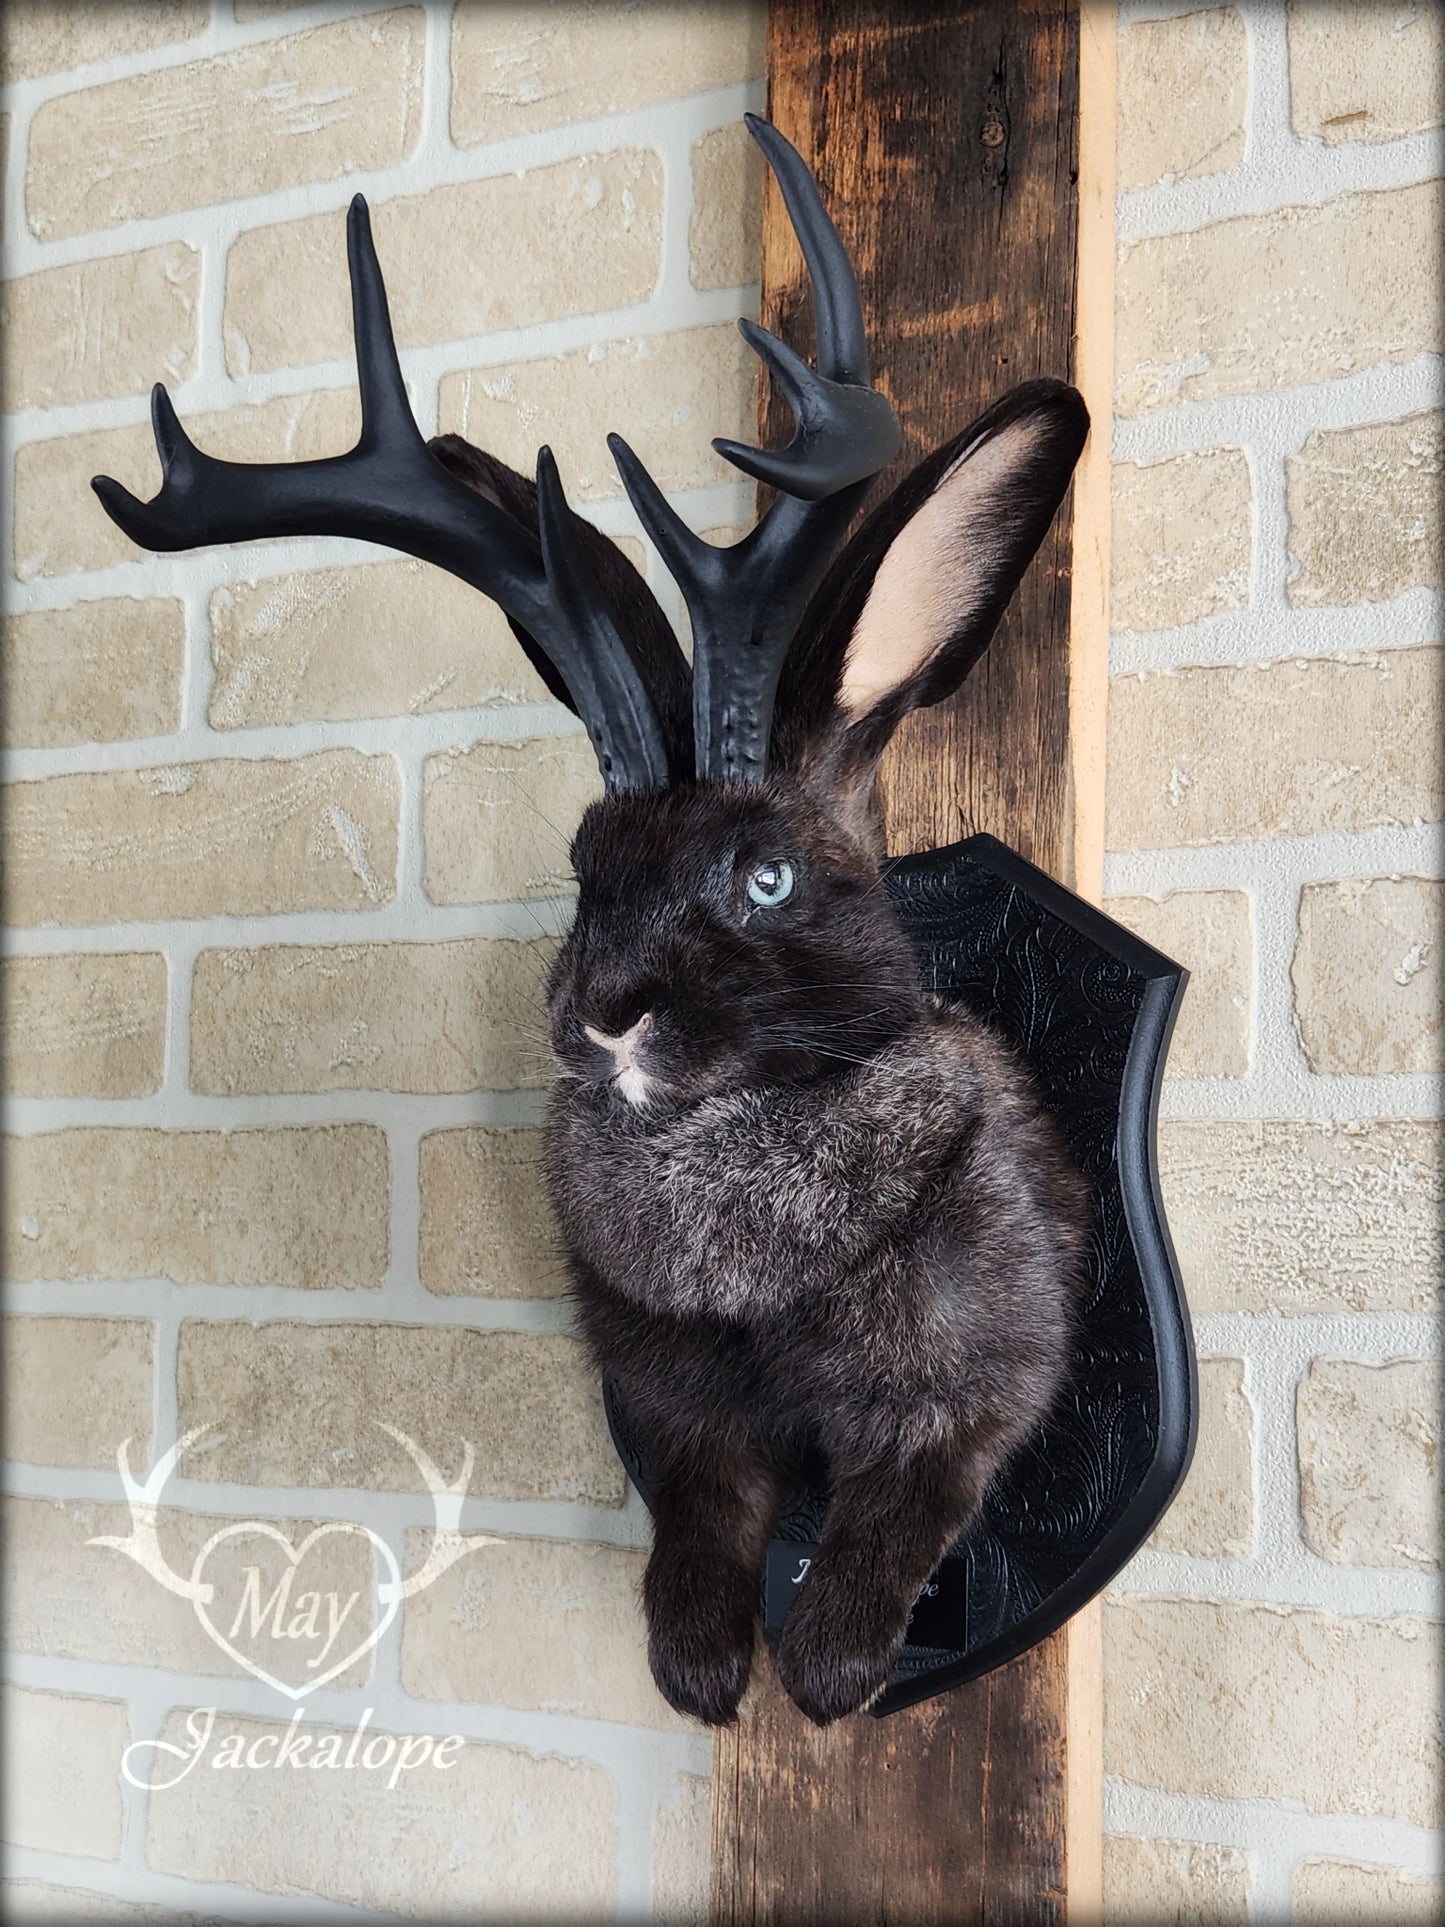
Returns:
(751, 1203)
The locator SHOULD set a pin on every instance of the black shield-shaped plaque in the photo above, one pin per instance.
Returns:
(1091, 1007)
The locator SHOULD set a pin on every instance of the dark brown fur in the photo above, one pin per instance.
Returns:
(843, 1235)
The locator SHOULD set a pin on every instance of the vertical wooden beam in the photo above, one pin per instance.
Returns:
(945, 138)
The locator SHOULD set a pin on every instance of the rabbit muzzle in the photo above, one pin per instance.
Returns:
(622, 1059)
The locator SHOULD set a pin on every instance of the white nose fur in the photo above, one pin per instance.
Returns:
(631, 1080)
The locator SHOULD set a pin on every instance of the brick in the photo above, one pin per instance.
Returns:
(487, 1229)
(1211, 933)
(265, 9)
(497, 1833)
(99, 328)
(725, 235)
(1364, 72)
(1267, 301)
(1279, 1703)
(379, 639)
(316, 106)
(100, 672)
(48, 38)
(204, 839)
(539, 65)
(297, 1405)
(76, 1388)
(669, 394)
(542, 1625)
(1181, 87)
(1346, 1894)
(459, 1016)
(59, 524)
(499, 818)
(1284, 1216)
(301, 1205)
(1367, 976)
(91, 1024)
(1369, 1449)
(1364, 512)
(682, 1853)
(1183, 544)
(62, 1785)
(1173, 1883)
(69, 1599)
(1214, 1515)
(469, 259)
(1221, 755)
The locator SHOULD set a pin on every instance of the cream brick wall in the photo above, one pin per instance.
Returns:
(285, 858)
(1272, 1719)
(280, 903)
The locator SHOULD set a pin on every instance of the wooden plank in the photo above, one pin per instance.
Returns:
(950, 1811)
(944, 138)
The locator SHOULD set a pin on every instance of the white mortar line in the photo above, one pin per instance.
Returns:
(1279, 861)
(1284, 633)
(399, 1301)
(388, 1109)
(1277, 422)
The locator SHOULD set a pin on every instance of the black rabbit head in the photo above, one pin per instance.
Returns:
(730, 932)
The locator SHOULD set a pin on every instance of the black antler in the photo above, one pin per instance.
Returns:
(746, 600)
(391, 489)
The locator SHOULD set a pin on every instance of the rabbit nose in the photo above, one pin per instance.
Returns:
(627, 1075)
(623, 1045)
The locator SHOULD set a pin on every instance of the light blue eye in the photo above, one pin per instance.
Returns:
(771, 884)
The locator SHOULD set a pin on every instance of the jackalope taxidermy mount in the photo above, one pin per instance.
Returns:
(816, 1218)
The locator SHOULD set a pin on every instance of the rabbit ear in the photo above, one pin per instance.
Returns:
(913, 601)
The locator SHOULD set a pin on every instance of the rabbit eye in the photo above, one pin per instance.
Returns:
(770, 884)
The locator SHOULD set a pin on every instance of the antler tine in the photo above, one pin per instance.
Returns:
(842, 336)
(744, 601)
(391, 489)
(597, 667)
(385, 404)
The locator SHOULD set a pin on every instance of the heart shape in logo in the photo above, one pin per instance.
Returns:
(203, 1593)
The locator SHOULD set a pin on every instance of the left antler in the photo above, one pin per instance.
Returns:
(391, 489)
(745, 601)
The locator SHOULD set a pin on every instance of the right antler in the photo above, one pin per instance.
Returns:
(391, 489)
(745, 601)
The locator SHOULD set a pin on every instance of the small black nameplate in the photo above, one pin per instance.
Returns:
(940, 1614)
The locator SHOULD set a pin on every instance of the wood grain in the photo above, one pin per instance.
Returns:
(945, 141)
